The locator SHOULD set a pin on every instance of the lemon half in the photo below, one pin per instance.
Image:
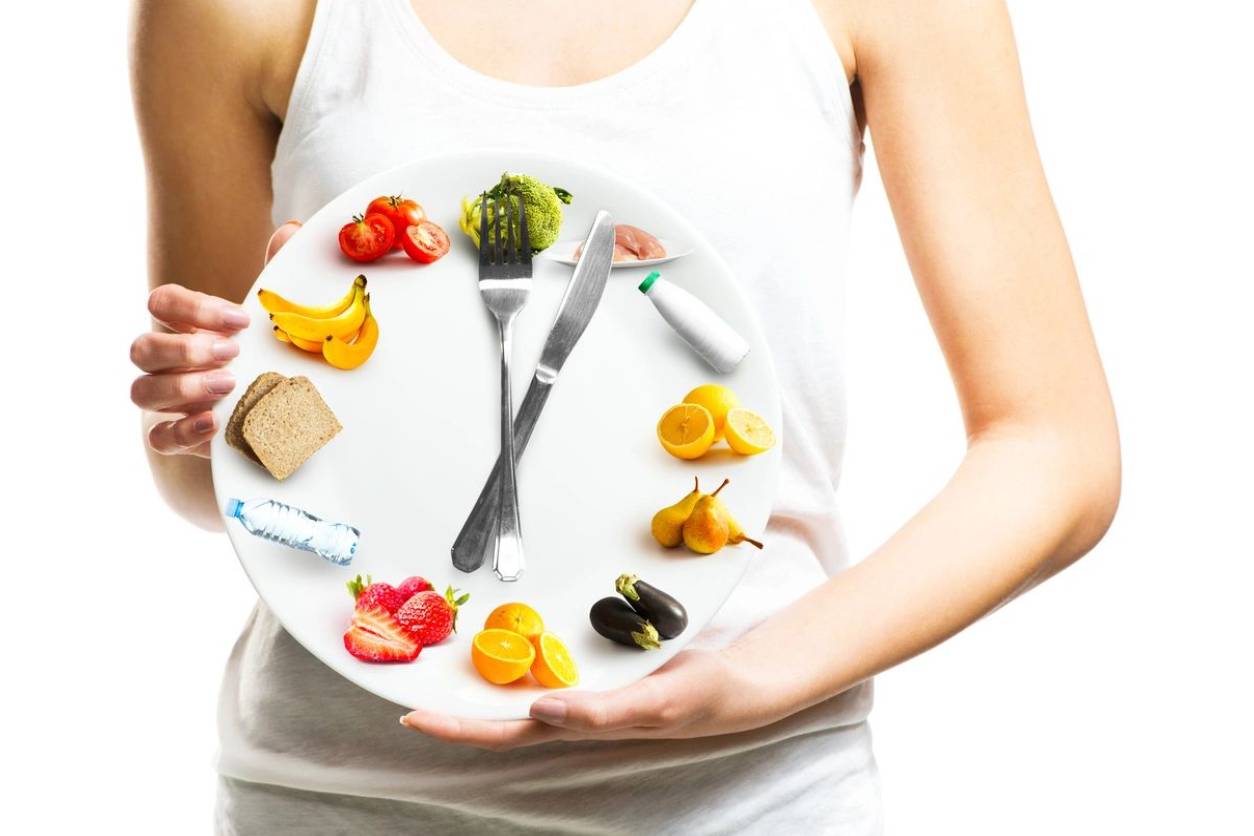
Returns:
(748, 433)
(686, 430)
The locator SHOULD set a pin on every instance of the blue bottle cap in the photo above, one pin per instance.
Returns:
(233, 507)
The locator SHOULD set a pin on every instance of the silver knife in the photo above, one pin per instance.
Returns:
(583, 293)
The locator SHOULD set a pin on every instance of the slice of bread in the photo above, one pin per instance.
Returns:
(289, 424)
(256, 390)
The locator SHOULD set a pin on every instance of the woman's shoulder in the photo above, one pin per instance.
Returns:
(257, 46)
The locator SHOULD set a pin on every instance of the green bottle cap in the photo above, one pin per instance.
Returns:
(648, 281)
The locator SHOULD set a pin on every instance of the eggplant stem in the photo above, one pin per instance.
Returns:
(626, 586)
(647, 638)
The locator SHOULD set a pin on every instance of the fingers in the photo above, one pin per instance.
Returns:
(158, 352)
(280, 237)
(187, 310)
(638, 706)
(169, 392)
(188, 435)
(497, 735)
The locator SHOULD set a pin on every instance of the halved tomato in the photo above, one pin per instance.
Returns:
(368, 238)
(424, 241)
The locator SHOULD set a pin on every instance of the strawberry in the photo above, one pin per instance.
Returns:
(374, 636)
(429, 616)
(410, 587)
(369, 595)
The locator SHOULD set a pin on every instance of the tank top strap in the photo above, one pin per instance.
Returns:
(344, 58)
(788, 41)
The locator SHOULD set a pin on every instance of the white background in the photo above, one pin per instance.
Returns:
(1115, 699)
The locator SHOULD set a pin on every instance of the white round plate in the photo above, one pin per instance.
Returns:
(563, 252)
(421, 432)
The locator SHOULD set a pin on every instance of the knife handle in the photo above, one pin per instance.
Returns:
(476, 540)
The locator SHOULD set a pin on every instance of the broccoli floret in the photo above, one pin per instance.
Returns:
(543, 204)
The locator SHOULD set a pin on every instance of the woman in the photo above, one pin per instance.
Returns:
(253, 113)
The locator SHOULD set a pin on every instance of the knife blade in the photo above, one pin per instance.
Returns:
(583, 294)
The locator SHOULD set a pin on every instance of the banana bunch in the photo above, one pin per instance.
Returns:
(344, 332)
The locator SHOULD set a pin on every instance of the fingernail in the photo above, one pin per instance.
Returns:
(219, 383)
(549, 710)
(203, 425)
(234, 317)
(224, 349)
(404, 719)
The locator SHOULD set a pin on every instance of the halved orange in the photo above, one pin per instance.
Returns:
(553, 667)
(518, 617)
(501, 656)
(686, 430)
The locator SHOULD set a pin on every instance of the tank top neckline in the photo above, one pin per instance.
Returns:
(510, 92)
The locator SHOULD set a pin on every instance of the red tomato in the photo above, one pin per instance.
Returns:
(365, 239)
(424, 242)
(401, 211)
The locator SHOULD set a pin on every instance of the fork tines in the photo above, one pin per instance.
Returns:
(497, 250)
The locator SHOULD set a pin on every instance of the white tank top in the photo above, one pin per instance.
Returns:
(742, 120)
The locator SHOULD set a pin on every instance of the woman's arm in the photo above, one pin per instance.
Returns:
(208, 80)
(1040, 480)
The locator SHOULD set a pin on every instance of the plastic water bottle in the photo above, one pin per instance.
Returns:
(705, 331)
(272, 520)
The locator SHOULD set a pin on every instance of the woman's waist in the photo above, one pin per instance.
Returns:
(286, 718)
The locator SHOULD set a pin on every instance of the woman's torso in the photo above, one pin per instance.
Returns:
(743, 121)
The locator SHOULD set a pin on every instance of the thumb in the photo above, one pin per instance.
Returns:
(280, 237)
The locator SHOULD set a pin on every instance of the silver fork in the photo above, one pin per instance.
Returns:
(505, 284)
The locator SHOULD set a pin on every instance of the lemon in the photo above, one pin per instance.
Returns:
(686, 430)
(748, 433)
(718, 399)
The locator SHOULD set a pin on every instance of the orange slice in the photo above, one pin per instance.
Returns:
(518, 617)
(686, 430)
(553, 667)
(748, 433)
(501, 656)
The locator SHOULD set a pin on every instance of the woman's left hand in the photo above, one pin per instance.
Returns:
(697, 693)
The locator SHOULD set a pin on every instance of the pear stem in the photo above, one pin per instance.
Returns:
(720, 487)
(751, 540)
(696, 480)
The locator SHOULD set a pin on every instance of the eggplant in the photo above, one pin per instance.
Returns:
(661, 610)
(612, 618)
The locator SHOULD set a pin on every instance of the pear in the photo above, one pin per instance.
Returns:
(706, 530)
(668, 524)
(735, 534)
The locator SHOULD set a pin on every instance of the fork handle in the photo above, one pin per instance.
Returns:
(475, 540)
(508, 562)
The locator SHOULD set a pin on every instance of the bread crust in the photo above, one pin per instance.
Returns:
(259, 388)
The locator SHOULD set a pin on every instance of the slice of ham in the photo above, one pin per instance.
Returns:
(631, 243)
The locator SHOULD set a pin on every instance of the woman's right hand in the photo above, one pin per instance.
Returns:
(185, 372)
